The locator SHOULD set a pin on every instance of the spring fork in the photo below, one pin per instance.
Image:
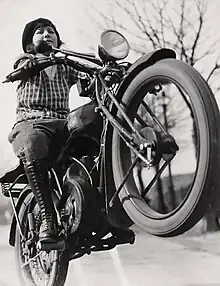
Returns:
(111, 119)
(119, 107)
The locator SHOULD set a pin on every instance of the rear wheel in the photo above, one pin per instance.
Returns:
(185, 106)
(37, 267)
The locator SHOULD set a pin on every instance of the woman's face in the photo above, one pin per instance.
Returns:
(46, 34)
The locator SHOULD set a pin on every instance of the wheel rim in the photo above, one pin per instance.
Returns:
(40, 270)
(187, 132)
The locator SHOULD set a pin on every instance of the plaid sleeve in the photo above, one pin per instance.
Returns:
(74, 75)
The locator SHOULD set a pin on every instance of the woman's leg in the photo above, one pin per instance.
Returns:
(31, 142)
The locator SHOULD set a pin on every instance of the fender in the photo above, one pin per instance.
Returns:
(21, 199)
(117, 215)
(143, 62)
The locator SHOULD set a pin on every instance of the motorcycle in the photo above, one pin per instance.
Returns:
(144, 152)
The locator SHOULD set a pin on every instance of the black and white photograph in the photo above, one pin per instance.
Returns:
(110, 143)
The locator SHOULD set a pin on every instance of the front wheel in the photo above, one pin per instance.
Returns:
(37, 267)
(169, 97)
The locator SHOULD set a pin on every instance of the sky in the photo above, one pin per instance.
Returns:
(73, 25)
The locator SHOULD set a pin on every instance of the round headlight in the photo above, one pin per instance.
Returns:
(115, 44)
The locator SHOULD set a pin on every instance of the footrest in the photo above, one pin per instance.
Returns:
(124, 235)
(129, 239)
(47, 246)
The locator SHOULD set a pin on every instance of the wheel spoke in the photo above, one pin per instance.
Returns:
(141, 121)
(149, 186)
(154, 117)
(30, 260)
(123, 182)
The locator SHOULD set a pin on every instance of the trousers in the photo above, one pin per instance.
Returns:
(37, 139)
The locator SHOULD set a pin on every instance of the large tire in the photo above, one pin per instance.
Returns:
(33, 273)
(206, 122)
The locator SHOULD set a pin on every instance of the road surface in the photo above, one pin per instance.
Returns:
(151, 261)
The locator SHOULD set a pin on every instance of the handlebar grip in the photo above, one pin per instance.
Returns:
(6, 80)
(16, 75)
(24, 72)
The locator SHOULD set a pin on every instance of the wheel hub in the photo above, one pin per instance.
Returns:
(163, 146)
(151, 136)
(169, 147)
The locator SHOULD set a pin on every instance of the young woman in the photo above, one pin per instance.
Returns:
(42, 107)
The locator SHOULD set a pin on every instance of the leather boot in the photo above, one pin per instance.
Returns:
(37, 174)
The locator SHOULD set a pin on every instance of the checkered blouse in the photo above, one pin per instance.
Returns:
(40, 94)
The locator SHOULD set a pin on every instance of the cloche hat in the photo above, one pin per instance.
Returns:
(30, 29)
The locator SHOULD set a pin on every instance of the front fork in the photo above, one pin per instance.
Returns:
(135, 141)
(140, 145)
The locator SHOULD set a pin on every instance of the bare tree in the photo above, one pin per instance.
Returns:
(179, 24)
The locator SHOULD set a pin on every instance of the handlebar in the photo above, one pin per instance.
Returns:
(43, 47)
(24, 71)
